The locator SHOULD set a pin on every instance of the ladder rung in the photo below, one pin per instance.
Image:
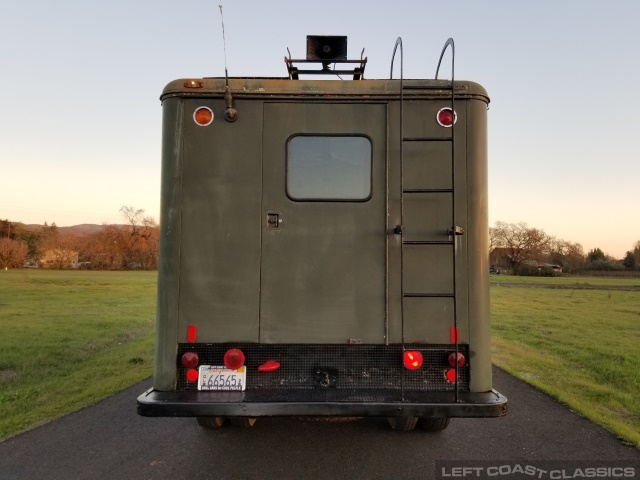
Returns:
(427, 242)
(427, 139)
(428, 295)
(428, 190)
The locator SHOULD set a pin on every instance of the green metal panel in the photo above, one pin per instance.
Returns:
(323, 267)
(164, 373)
(429, 320)
(427, 217)
(428, 269)
(478, 241)
(427, 165)
(220, 254)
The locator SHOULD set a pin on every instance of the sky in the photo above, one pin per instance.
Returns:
(80, 117)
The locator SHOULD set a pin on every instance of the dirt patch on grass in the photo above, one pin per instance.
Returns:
(569, 286)
(8, 375)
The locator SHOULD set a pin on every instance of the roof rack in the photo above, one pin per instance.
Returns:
(324, 50)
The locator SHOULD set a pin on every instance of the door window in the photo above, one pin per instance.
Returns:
(329, 168)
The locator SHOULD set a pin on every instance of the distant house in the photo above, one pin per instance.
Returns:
(60, 258)
(500, 259)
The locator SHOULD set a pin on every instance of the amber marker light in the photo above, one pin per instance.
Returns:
(193, 84)
(203, 116)
(412, 360)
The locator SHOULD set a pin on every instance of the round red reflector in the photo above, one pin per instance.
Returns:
(412, 360)
(233, 359)
(190, 360)
(451, 375)
(203, 116)
(446, 117)
(461, 359)
(192, 375)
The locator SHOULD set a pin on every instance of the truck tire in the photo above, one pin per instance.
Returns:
(211, 422)
(402, 424)
(434, 424)
(243, 422)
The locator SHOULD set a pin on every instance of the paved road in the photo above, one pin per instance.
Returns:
(109, 441)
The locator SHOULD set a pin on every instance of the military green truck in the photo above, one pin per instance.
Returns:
(323, 247)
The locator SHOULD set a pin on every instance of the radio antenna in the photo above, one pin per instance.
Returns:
(224, 41)
(230, 114)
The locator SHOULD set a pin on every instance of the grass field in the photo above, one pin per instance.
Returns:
(69, 339)
(566, 280)
(580, 346)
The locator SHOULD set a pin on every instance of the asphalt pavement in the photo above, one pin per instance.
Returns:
(110, 441)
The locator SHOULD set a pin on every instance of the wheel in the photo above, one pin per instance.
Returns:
(434, 424)
(243, 422)
(403, 424)
(211, 422)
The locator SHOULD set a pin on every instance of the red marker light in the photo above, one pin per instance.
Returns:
(269, 366)
(461, 359)
(203, 116)
(454, 333)
(451, 375)
(233, 359)
(190, 360)
(446, 117)
(412, 360)
(191, 333)
(192, 375)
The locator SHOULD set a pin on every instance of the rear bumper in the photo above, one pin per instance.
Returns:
(332, 402)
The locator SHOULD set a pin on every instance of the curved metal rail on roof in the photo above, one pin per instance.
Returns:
(455, 230)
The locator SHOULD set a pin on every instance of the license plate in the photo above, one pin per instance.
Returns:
(221, 378)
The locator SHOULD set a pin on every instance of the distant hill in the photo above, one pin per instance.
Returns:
(79, 230)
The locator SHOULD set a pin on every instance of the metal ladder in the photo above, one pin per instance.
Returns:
(454, 230)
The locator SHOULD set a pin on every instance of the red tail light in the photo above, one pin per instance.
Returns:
(190, 360)
(192, 375)
(233, 359)
(451, 375)
(460, 357)
(412, 360)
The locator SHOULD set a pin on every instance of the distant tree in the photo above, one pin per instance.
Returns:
(636, 252)
(124, 247)
(520, 243)
(12, 253)
(570, 256)
(7, 229)
(595, 255)
(57, 250)
(629, 261)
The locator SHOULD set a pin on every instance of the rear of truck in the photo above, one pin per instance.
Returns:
(323, 252)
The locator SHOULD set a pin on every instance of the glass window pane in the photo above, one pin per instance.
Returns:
(329, 168)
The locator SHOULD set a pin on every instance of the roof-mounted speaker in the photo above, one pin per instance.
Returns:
(325, 47)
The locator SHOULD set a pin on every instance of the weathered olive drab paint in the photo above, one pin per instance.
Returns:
(331, 271)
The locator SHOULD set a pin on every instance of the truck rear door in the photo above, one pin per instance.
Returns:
(323, 265)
